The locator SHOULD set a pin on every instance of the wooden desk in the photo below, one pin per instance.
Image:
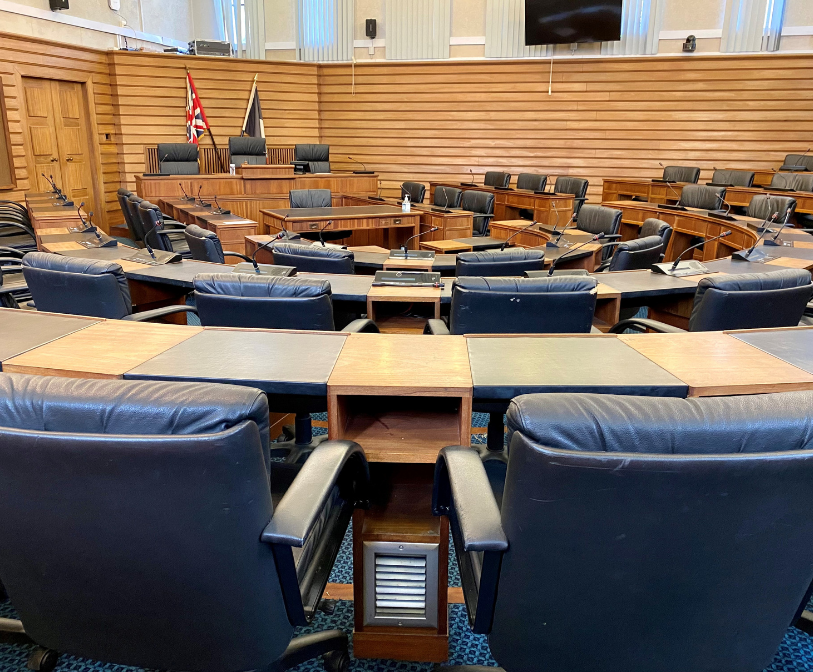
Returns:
(402, 295)
(23, 330)
(445, 246)
(46, 215)
(588, 257)
(741, 197)
(231, 229)
(623, 189)
(257, 172)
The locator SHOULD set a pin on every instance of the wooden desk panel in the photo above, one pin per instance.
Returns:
(741, 197)
(716, 364)
(623, 189)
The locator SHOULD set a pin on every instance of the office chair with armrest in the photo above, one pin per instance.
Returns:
(205, 246)
(742, 301)
(77, 286)
(314, 258)
(416, 191)
(798, 162)
(688, 174)
(166, 526)
(311, 158)
(784, 181)
(16, 229)
(632, 255)
(597, 219)
(122, 195)
(310, 198)
(763, 206)
(495, 263)
(656, 227)
(481, 203)
(531, 181)
(495, 178)
(702, 197)
(447, 197)
(13, 289)
(162, 237)
(248, 150)
(733, 178)
(671, 518)
(178, 158)
(803, 182)
(577, 186)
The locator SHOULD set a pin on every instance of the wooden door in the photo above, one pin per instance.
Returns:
(58, 136)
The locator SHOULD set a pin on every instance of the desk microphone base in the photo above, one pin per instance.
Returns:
(95, 244)
(756, 255)
(363, 172)
(160, 258)
(247, 268)
(684, 268)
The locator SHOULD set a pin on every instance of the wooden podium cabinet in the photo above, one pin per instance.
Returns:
(402, 404)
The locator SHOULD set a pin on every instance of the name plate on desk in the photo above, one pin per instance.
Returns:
(684, 268)
(412, 254)
(407, 279)
(157, 258)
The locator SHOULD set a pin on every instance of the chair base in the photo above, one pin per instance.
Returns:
(332, 644)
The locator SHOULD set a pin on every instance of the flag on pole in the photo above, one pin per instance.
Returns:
(196, 123)
(253, 122)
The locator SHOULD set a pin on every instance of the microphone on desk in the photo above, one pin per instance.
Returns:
(516, 233)
(700, 244)
(254, 263)
(51, 182)
(186, 196)
(86, 228)
(555, 243)
(669, 184)
(200, 200)
(405, 246)
(593, 239)
(322, 240)
(744, 256)
(363, 167)
(445, 208)
(772, 241)
(220, 211)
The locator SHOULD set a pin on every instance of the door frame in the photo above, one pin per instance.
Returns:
(92, 130)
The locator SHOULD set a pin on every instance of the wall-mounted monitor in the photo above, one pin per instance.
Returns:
(567, 21)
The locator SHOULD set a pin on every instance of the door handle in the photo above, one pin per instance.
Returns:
(53, 159)
(70, 158)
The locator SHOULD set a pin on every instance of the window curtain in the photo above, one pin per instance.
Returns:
(418, 29)
(245, 27)
(641, 22)
(752, 25)
(505, 31)
(324, 30)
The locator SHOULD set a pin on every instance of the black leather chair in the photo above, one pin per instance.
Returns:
(732, 178)
(481, 203)
(803, 182)
(551, 305)
(785, 181)
(531, 181)
(663, 520)
(131, 204)
(248, 150)
(656, 227)
(122, 195)
(156, 231)
(688, 174)
(16, 229)
(416, 191)
(597, 219)
(447, 197)
(310, 198)
(702, 197)
(314, 258)
(77, 286)
(740, 301)
(763, 206)
(168, 528)
(576, 186)
(311, 158)
(496, 263)
(633, 255)
(798, 162)
(178, 158)
(494, 178)
(205, 246)
(13, 289)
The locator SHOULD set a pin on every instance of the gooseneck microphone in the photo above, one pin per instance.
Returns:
(254, 263)
(51, 182)
(200, 200)
(593, 239)
(322, 240)
(555, 243)
(516, 233)
(700, 244)
(746, 254)
(186, 196)
(771, 242)
(405, 246)
(668, 183)
(363, 167)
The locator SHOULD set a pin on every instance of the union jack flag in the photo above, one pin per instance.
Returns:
(196, 122)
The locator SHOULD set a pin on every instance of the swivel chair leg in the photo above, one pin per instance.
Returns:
(495, 438)
(299, 442)
(805, 622)
(332, 644)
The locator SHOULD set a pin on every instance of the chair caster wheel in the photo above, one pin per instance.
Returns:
(327, 607)
(42, 660)
(288, 434)
(337, 661)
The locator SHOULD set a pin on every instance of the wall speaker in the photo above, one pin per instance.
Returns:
(369, 28)
(58, 4)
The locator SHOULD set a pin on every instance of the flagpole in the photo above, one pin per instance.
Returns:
(250, 100)
(211, 135)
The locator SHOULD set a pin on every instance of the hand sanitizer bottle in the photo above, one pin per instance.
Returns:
(405, 203)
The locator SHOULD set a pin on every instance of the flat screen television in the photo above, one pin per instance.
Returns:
(567, 21)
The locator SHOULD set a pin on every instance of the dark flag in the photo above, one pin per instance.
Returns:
(253, 123)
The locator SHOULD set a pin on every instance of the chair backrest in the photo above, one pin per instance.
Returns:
(805, 160)
(204, 245)
(671, 518)
(495, 178)
(132, 206)
(247, 150)
(763, 206)
(314, 258)
(447, 197)
(122, 195)
(157, 495)
(77, 286)
(751, 300)
(481, 203)
(263, 302)
(531, 181)
(178, 158)
(803, 182)
(151, 216)
(599, 219)
(496, 263)
(416, 191)
(656, 227)
(735, 178)
(310, 198)
(556, 304)
(317, 156)
(702, 196)
(637, 254)
(681, 174)
(573, 185)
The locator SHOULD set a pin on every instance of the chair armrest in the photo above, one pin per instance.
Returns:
(172, 223)
(603, 266)
(436, 328)
(158, 313)
(361, 326)
(237, 254)
(11, 252)
(462, 492)
(16, 225)
(332, 464)
(642, 324)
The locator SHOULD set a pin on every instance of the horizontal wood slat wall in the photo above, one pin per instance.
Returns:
(606, 117)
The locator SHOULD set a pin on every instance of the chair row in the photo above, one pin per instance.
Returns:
(180, 158)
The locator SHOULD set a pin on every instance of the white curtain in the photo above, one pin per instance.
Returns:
(505, 31)
(641, 22)
(245, 27)
(418, 29)
(752, 25)
(324, 30)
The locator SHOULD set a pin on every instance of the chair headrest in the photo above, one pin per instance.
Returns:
(198, 232)
(599, 219)
(641, 244)
(681, 173)
(571, 185)
(134, 198)
(531, 181)
(654, 226)
(312, 152)
(124, 192)
(739, 178)
(753, 282)
(56, 262)
(664, 425)
(313, 251)
(91, 406)
(260, 286)
(477, 201)
(496, 256)
(247, 145)
(177, 151)
(553, 283)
